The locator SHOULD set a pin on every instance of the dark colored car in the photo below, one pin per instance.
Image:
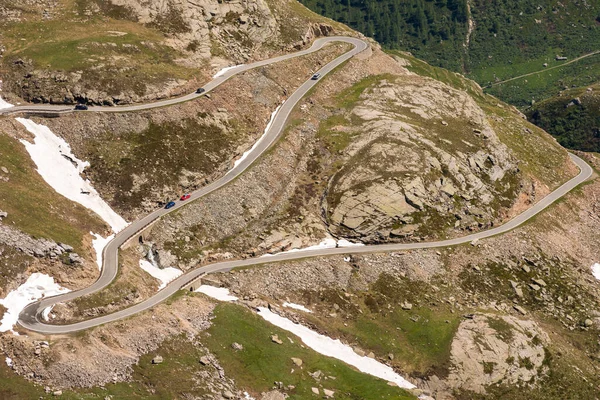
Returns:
(185, 197)
(169, 205)
(81, 107)
(200, 90)
(315, 77)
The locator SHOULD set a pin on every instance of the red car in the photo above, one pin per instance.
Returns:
(185, 197)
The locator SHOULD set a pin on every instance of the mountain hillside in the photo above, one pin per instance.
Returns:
(384, 149)
(126, 51)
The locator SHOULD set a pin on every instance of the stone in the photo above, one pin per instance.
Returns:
(66, 247)
(3, 214)
(520, 309)
(228, 395)
(275, 339)
(444, 123)
(57, 393)
(157, 360)
(539, 282)
(328, 392)
(4, 169)
(406, 306)
(315, 390)
(204, 360)
(535, 287)
(371, 355)
(358, 351)
(588, 322)
(391, 357)
(526, 268)
(236, 346)
(74, 258)
(297, 361)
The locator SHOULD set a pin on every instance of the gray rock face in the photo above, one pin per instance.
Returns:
(30, 246)
(403, 168)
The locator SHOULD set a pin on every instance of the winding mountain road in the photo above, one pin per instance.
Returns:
(30, 317)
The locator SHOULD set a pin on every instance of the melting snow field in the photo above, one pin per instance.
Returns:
(296, 307)
(61, 169)
(164, 275)
(222, 72)
(99, 243)
(327, 243)
(243, 157)
(221, 294)
(336, 349)
(596, 271)
(37, 286)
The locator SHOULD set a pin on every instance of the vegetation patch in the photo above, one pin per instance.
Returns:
(261, 362)
(394, 317)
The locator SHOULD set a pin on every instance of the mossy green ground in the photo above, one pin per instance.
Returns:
(34, 207)
(419, 339)
(262, 362)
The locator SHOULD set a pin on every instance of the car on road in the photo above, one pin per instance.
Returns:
(200, 90)
(169, 205)
(185, 197)
(316, 77)
(81, 107)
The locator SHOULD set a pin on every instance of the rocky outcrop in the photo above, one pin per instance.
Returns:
(421, 151)
(488, 349)
(193, 27)
(36, 247)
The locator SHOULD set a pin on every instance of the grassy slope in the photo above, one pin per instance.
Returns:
(262, 362)
(74, 41)
(34, 207)
(419, 339)
(254, 369)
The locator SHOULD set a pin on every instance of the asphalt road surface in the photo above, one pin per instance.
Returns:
(30, 317)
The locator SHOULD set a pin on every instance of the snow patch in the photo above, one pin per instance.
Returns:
(327, 243)
(347, 243)
(336, 349)
(247, 396)
(245, 155)
(9, 362)
(61, 169)
(99, 243)
(4, 104)
(296, 307)
(596, 271)
(164, 275)
(221, 294)
(46, 313)
(36, 287)
(222, 72)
